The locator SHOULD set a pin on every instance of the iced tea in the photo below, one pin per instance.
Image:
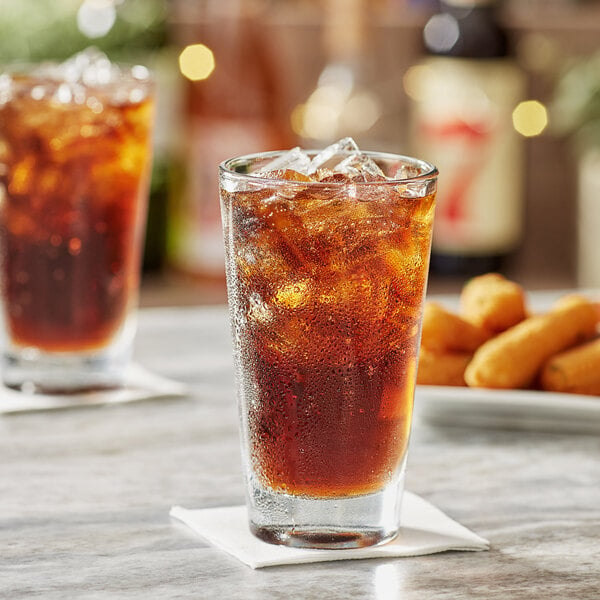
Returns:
(326, 278)
(74, 169)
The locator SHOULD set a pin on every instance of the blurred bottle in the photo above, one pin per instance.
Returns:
(464, 95)
(588, 218)
(155, 238)
(232, 104)
(347, 99)
(162, 64)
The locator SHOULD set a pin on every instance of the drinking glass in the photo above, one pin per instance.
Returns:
(326, 275)
(75, 153)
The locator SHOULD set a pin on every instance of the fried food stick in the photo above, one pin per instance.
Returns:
(576, 371)
(442, 368)
(493, 302)
(443, 331)
(513, 358)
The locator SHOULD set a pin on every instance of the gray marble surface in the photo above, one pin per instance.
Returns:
(85, 495)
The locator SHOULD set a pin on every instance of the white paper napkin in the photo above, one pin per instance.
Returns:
(424, 530)
(140, 384)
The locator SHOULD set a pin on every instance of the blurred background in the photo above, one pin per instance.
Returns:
(504, 97)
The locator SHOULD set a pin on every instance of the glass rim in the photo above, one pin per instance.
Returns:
(26, 69)
(430, 170)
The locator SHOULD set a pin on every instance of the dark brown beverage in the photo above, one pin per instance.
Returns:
(74, 174)
(326, 283)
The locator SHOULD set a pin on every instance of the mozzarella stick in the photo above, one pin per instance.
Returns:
(493, 302)
(442, 368)
(576, 371)
(443, 331)
(513, 358)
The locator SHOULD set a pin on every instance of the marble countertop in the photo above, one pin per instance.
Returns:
(85, 496)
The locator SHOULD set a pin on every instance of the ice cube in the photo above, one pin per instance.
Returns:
(360, 167)
(91, 67)
(328, 176)
(294, 160)
(416, 189)
(411, 186)
(258, 310)
(405, 171)
(335, 152)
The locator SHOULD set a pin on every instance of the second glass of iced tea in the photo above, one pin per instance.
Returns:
(327, 259)
(75, 152)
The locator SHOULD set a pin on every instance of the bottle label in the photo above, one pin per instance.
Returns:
(463, 124)
(196, 237)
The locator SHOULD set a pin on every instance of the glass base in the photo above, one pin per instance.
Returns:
(33, 371)
(336, 523)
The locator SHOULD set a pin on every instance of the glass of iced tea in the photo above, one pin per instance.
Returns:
(75, 154)
(327, 259)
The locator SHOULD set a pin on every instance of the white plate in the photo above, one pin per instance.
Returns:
(508, 409)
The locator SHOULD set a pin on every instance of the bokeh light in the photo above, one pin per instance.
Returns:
(338, 107)
(95, 18)
(530, 118)
(441, 33)
(196, 62)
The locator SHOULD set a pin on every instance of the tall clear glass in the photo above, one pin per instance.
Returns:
(75, 154)
(326, 281)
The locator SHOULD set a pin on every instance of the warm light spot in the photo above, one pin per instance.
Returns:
(297, 119)
(292, 295)
(332, 111)
(196, 62)
(361, 112)
(74, 246)
(319, 117)
(530, 118)
(22, 175)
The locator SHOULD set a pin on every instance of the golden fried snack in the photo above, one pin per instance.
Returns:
(574, 300)
(446, 368)
(576, 371)
(493, 302)
(513, 358)
(443, 331)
